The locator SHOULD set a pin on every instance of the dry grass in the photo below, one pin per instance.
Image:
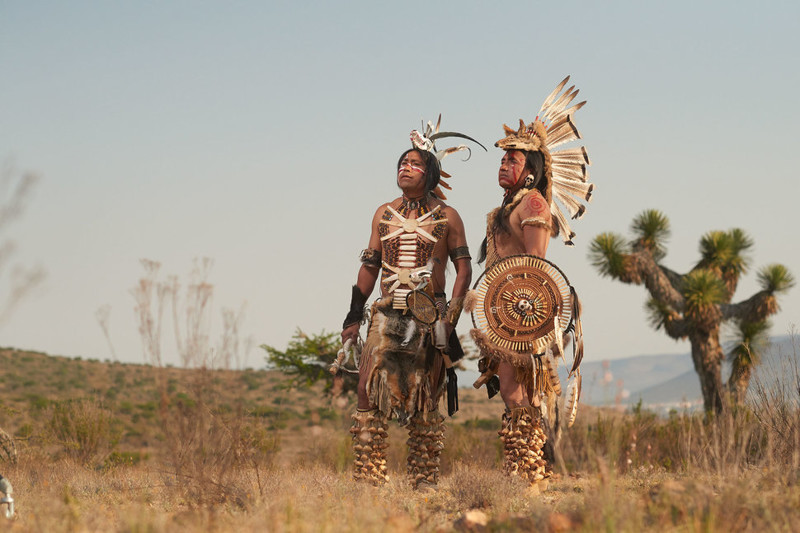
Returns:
(114, 447)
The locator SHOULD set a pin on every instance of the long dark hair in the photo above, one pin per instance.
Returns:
(432, 170)
(534, 162)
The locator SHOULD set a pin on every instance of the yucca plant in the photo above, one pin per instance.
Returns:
(748, 342)
(694, 305)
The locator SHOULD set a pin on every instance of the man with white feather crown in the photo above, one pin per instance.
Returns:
(523, 306)
(405, 364)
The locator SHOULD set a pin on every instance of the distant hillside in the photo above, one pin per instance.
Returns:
(683, 390)
(615, 381)
(661, 382)
(34, 387)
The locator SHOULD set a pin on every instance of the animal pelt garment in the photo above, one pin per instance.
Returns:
(405, 371)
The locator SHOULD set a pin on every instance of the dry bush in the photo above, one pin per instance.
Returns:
(775, 401)
(207, 448)
(475, 442)
(8, 447)
(475, 487)
(727, 444)
(83, 428)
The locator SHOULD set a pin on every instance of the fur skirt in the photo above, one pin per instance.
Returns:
(405, 371)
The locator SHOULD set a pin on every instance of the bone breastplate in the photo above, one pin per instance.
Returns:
(407, 246)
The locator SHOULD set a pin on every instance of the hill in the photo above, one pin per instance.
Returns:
(665, 382)
(36, 387)
(125, 447)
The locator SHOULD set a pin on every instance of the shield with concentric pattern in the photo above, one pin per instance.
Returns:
(521, 300)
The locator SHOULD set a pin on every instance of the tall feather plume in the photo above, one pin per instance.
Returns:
(554, 126)
(556, 110)
(564, 133)
(568, 166)
(570, 172)
(575, 156)
(577, 188)
(567, 133)
(552, 96)
(574, 205)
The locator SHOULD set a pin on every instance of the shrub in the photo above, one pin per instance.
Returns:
(83, 428)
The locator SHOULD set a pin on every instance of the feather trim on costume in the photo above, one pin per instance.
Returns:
(554, 415)
(470, 301)
(518, 412)
(577, 327)
(487, 347)
(563, 227)
(573, 395)
(551, 367)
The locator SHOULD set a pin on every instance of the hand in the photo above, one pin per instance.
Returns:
(351, 332)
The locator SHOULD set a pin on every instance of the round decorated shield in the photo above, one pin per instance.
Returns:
(422, 306)
(519, 301)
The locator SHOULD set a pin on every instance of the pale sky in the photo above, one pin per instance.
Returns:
(265, 134)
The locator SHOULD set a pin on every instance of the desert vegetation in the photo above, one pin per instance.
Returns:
(697, 304)
(107, 446)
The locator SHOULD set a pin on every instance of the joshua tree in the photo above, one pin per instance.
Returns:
(695, 305)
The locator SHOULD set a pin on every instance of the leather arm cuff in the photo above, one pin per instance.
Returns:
(356, 313)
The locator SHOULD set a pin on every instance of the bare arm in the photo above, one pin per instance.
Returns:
(535, 219)
(367, 275)
(457, 238)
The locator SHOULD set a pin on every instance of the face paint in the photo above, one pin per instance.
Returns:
(409, 166)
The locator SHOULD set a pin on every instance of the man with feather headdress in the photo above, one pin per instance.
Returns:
(406, 361)
(523, 306)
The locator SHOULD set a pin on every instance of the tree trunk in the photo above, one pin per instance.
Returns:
(707, 356)
(738, 383)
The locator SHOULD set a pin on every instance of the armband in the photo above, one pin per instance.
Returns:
(356, 313)
(461, 252)
(538, 222)
(370, 257)
(454, 310)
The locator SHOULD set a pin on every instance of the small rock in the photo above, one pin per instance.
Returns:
(472, 520)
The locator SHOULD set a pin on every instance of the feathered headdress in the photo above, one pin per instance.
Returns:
(565, 170)
(426, 141)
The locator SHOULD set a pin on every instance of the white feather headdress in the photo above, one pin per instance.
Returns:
(565, 170)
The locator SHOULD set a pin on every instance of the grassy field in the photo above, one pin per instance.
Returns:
(123, 447)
